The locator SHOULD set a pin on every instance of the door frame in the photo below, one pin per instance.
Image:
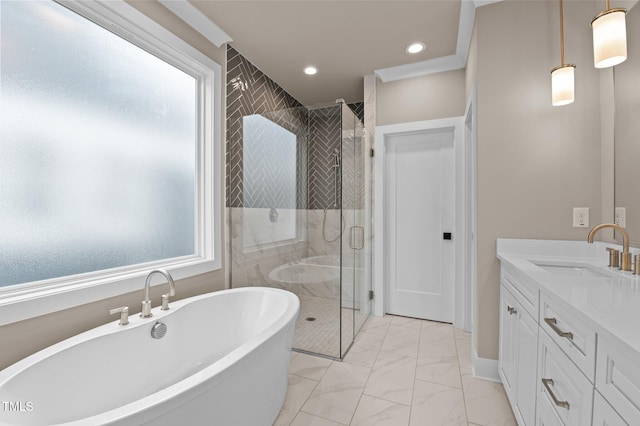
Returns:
(462, 290)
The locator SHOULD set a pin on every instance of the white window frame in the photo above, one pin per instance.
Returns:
(23, 301)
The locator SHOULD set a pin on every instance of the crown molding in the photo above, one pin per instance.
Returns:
(197, 20)
(445, 63)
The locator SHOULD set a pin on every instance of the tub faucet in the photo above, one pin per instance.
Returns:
(625, 264)
(124, 314)
(146, 303)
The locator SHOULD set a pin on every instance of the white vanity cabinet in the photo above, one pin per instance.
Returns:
(561, 385)
(569, 340)
(618, 380)
(518, 349)
(604, 414)
(545, 416)
(571, 334)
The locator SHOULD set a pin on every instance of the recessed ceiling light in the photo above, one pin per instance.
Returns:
(415, 48)
(311, 70)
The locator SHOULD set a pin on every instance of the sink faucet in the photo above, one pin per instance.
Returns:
(146, 303)
(625, 265)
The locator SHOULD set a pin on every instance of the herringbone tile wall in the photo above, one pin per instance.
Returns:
(324, 140)
(250, 91)
(318, 131)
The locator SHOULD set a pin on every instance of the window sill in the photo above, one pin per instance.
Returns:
(30, 301)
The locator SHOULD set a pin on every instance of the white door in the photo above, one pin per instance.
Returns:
(419, 186)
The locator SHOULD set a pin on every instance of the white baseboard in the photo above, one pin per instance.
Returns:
(485, 368)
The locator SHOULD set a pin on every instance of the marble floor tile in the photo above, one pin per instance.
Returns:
(365, 349)
(392, 378)
(378, 325)
(402, 340)
(436, 331)
(378, 412)
(309, 366)
(441, 370)
(427, 323)
(338, 393)
(297, 393)
(400, 371)
(463, 346)
(486, 403)
(437, 342)
(305, 419)
(437, 405)
(406, 322)
(459, 334)
(444, 348)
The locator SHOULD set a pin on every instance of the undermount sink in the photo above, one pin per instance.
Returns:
(573, 270)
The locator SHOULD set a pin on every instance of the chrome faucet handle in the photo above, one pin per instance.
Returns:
(614, 257)
(124, 314)
(146, 309)
(146, 303)
(165, 302)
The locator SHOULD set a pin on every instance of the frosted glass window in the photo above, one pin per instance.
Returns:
(98, 145)
(269, 161)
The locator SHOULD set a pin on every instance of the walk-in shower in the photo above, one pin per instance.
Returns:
(301, 224)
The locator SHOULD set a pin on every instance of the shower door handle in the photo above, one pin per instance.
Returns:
(356, 238)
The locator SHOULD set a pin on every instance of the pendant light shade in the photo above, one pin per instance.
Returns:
(562, 77)
(609, 37)
(562, 85)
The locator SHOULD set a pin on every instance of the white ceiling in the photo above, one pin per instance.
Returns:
(345, 40)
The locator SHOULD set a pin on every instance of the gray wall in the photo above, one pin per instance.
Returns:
(535, 162)
(428, 97)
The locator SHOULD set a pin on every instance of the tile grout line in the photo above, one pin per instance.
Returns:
(312, 390)
(415, 373)
(464, 397)
(370, 371)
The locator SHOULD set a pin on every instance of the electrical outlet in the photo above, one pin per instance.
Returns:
(581, 217)
(620, 217)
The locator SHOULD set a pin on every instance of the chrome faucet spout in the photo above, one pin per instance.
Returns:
(146, 303)
(626, 256)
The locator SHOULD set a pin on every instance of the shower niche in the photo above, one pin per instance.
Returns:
(298, 215)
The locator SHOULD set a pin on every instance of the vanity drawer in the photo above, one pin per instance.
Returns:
(524, 292)
(546, 415)
(576, 339)
(604, 414)
(562, 385)
(618, 379)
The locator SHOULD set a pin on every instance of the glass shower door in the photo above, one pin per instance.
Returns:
(352, 244)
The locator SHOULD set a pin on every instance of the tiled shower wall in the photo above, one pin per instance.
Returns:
(318, 133)
(250, 91)
(324, 179)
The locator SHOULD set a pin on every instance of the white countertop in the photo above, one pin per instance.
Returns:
(608, 304)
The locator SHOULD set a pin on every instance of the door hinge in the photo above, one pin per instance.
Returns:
(370, 294)
(371, 152)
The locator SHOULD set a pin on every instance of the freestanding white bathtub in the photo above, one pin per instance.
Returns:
(223, 361)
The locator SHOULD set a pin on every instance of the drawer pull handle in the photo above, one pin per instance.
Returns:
(512, 311)
(552, 323)
(547, 384)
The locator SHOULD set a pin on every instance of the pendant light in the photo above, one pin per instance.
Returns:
(609, 37)
(562, 76)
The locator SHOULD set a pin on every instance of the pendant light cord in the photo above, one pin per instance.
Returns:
(562, 32)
